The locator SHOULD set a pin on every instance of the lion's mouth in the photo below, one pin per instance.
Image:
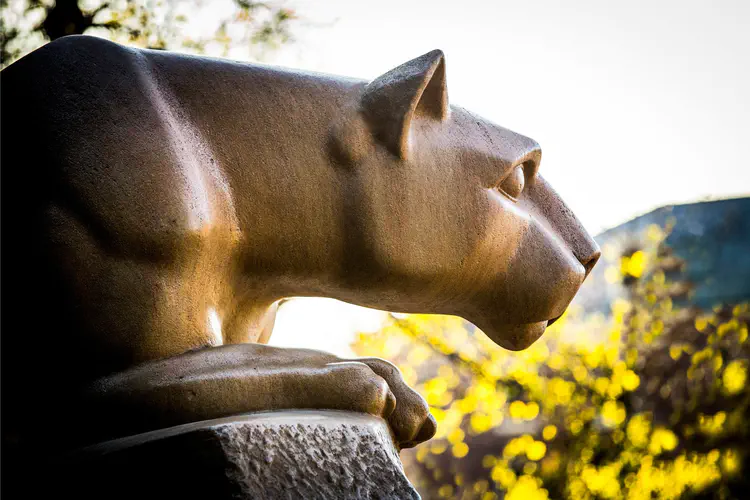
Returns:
(550, 321)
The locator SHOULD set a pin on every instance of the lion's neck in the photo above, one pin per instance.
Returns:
(288, 196)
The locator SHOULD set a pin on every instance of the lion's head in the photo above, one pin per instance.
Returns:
(451, 214)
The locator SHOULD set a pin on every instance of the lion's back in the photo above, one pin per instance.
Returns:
(105, 201)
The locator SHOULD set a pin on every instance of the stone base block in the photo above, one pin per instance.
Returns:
(269, 455)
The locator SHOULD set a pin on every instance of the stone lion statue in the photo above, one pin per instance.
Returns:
(157, 206)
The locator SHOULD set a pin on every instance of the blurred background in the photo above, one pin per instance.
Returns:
(642, 109)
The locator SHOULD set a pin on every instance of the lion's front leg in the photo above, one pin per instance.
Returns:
(222, 381)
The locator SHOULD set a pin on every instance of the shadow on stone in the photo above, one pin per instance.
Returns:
(269, 455)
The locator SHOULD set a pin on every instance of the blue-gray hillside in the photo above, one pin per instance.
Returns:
(712, 238)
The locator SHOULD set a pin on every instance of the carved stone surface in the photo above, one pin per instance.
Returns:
(273, 455)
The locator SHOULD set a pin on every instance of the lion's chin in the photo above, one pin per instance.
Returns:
(518, 337)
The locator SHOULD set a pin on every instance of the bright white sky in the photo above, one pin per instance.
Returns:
(636, 104)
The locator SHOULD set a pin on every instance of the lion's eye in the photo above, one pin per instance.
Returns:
(512, 185)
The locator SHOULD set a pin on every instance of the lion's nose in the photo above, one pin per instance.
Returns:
(584, 247)
(590, 261)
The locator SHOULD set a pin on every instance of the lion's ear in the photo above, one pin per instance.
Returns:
(390, 101)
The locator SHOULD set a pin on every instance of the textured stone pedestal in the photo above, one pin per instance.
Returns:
(270, 455)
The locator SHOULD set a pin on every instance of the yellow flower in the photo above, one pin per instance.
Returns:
(712, 425)
(556, 362)
(531, 411)
(731, 462)
(675, 351)
(517, 410)
(580, 373)
(560, 390)
(529, 468)
(638, 430)
(536, 450)
(662, 440)
(502, 475)
(613, 413)
(480, 422)
(460, 450)
(456, 436)
(549, 432)
(634, 265)
(527, 488)
(576, 426)
(468, 404)
(438, 447)
(551, 463)
(630, 381)
(445, 491)
(734, 377)
(514, 447)
(602, 481)
(701, 323)
(601, 384)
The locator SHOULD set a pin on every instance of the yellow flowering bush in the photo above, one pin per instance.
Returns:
(650, 401)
